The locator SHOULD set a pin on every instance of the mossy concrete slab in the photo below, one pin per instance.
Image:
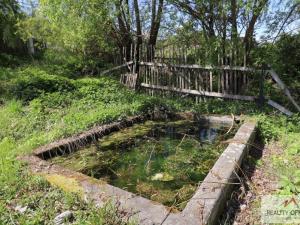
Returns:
(208, 201)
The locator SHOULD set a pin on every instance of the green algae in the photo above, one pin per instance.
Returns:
(117, 138)
(162, 161)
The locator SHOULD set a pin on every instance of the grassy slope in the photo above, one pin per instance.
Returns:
(37, 106)
(50, 107)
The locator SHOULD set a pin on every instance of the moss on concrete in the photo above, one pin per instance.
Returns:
(67, 184)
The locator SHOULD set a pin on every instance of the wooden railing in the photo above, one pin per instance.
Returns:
(221, 81)
(168, 70)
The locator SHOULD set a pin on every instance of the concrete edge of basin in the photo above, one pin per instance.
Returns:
(75, 142)
(98, 192)
(150, 212)
(207, 203)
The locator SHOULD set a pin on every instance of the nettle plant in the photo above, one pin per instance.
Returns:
(290, 184)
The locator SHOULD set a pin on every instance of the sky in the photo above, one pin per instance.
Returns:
(274, 6)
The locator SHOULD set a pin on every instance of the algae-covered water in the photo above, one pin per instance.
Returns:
(162, 161)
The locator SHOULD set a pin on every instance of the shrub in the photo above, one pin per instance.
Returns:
(7, 60)
(31, 83)
(70, 65)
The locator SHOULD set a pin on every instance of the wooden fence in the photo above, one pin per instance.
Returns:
(206, 80)
(156, 72)
(172, 69)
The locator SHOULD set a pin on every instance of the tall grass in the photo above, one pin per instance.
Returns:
(38, 106)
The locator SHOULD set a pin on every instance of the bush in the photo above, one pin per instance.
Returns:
(283, 56)
(31, 83)
(288, 56)
(70, 65)
(7, 60)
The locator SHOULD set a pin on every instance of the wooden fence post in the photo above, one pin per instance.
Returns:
(261, 98)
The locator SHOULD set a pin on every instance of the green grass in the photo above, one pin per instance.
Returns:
(38, 105)
(287, 164)
(37, 108)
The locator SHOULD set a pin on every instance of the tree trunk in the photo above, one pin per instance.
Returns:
(155, 24)
(139, 39)
(234, 32)
(248, 39)
(155, 21)
(124, 30)
(233, 19)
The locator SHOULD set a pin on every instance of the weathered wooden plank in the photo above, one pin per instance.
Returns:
(235, 82)
(282, 86)
(219, 81)
(210, 81)
(222, 82)
(200, 77)
(200, 93)
(218, 95)
(279, 107)
(227, 81)
(127, 64)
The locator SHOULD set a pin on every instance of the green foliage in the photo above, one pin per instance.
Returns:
(286, 131)
(288, 56)
(220, 106)
(50, 107)
(283, 56)
(71, 65)
(78, 26)
(9, 13)
(53, 102)
(44, 203)
(270, 130)
(110, 214)
(31, 83)
(264, 54)
(271, 127)
(290, 184)
(8, 60)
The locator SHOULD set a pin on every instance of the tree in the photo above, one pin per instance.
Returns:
(255, 11)
(287, 56)
(224, 20)
(81, 27)
(9, 14)
(129, 28)
(282, 19)
(157, 11)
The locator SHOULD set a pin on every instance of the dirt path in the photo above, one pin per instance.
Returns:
(258, 179)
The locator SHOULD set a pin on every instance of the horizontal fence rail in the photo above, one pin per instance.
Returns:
(182, 71)
(196, 66)
(204, 79)
(200, 93)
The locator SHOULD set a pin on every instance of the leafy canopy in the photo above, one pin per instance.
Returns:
(79, 26)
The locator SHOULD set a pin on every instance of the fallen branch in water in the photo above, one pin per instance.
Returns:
(148, 162)
(232, 124)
